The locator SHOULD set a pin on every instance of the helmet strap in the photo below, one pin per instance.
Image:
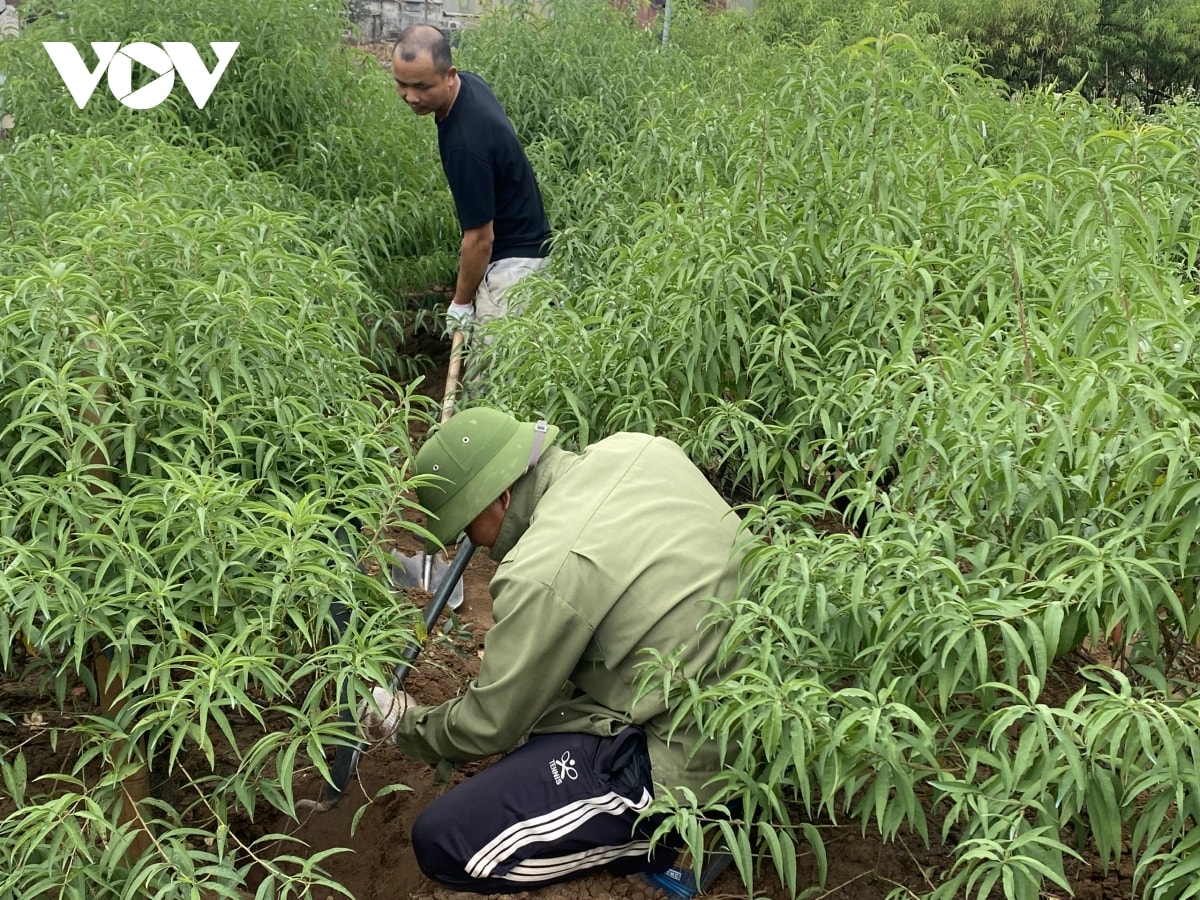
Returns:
(535, 452)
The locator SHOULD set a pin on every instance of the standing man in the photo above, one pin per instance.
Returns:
(605, 557)
(505, 233)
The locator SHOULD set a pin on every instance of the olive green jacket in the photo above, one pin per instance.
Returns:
(602, 554)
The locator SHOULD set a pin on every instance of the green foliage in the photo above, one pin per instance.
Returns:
(941, 340)
(290, 95)
(834, 21)
(187, 430)
(296, 100)
(1121, 49)
(1028, 42)
(1149, 50)
(945, 341)
(1125, 50)
(569, 104)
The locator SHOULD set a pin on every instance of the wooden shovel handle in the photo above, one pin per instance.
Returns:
(453, 374)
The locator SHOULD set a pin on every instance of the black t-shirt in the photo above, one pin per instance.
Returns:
(489, 174)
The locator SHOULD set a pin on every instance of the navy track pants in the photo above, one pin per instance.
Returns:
(554, 808)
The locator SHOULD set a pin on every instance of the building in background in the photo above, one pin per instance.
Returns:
(383, 20)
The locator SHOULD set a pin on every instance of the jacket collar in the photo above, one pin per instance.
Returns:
(526, 494)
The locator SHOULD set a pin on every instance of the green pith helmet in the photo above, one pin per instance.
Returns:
(479, 452)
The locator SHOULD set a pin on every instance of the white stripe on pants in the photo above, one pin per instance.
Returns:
(554, 808)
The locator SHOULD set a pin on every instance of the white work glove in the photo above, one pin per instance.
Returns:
(460, 316)
(379, 725)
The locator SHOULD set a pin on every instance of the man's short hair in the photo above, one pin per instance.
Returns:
(417, 39)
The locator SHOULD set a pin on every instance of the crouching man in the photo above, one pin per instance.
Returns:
(602, 554)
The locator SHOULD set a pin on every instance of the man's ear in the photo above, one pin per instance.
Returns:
(505, 499)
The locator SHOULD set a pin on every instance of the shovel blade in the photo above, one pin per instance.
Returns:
(407, 572)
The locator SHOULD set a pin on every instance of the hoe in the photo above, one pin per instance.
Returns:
(445, 579)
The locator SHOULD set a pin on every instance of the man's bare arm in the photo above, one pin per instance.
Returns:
(473, 262)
